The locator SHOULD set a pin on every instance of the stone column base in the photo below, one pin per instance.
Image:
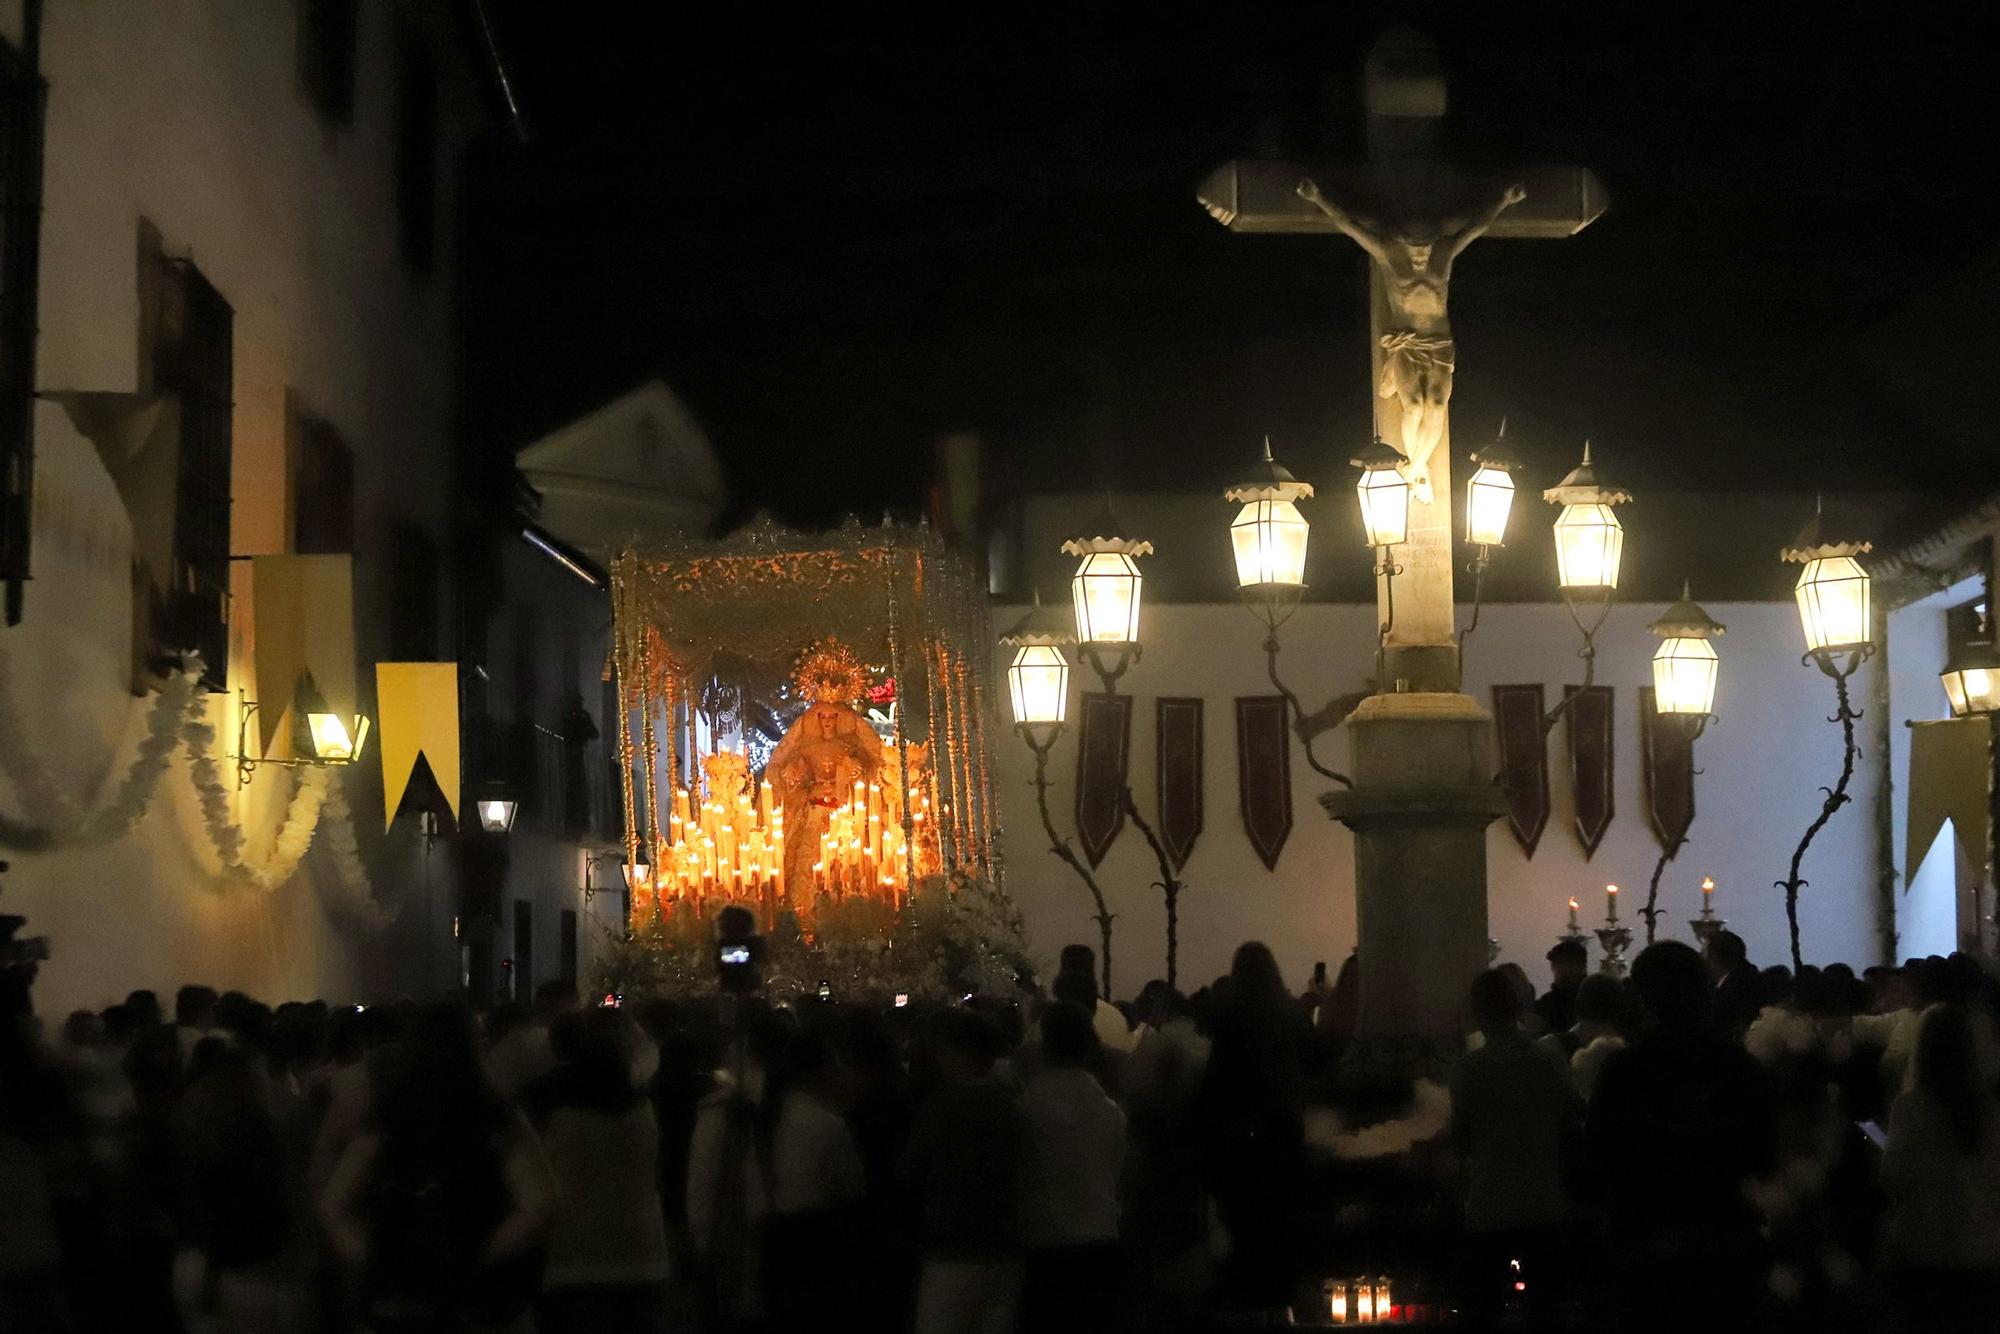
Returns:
(1424, 792)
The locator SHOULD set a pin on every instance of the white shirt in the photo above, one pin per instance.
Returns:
(1073, 1153)
(1112, 1030)
(814, 1164)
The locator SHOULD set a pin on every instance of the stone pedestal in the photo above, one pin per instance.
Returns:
(1424, 791)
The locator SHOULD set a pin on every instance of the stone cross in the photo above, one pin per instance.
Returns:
(1413, 212)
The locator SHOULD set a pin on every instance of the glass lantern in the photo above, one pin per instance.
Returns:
(1589, 539)
(1038, 684)
(1971, 681)
(1589, 544)
(1105, 592)
(1269, 538)
(1685, 666)
(1489, 494)
(331, 738)
(1384, 494)
(496, 814)
(1269, 534)
(1832, 594)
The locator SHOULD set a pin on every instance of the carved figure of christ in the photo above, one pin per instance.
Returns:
(1413, 266)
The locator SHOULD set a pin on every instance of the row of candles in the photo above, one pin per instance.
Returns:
(1370, 1304)
(1611, 902)
(737, 848)
(861, 850)
(730, 848)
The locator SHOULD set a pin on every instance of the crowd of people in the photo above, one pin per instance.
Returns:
(1701, 1145)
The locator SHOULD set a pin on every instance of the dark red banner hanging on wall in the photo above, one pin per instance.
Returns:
(1590, 770)
(1264, 773)
(1524, 761)
(1178, 758)
(1101, 751)
(1666, 760)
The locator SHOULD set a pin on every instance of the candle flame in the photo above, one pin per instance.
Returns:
(1572, 903)
(1708, 884)
(1611, 889)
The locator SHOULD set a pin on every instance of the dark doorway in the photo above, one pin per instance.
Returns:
(524, 949)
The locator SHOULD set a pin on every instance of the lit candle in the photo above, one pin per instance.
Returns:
(1707, 891)
(1336, 1302)
(1364, 1302)
(1572, 912)
(1383, 1306)
(1611, 903)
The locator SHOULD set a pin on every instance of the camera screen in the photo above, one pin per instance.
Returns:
(735, 954)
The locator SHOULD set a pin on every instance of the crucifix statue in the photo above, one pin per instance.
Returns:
(1421, 754)
(1413, 212)
(1413, 268)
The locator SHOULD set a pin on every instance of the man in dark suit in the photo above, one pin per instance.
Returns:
(1739, 990)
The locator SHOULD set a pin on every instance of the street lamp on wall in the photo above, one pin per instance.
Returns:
(1038, 690)
(1684, 673)
(1590, 545)
(1685, 666)
(1489, 501)
(1269, 538)
(1384, 493)
(1105, 591)
(496, 808)
(1834, 613)
(1971, 681)
(320, 736)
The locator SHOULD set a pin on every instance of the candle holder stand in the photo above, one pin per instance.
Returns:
(1706, 925)
(1614, 938)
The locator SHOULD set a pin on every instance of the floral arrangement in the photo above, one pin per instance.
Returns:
(951, 937)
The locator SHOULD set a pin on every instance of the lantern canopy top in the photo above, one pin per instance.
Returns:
(1042, 626)
(1269, 480)
(1583, 486)
(1108, 529)
(1377, 456)
(1499, 455)
(1811, 544)
(1685, 619)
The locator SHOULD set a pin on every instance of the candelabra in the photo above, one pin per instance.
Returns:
(1614, 938)
(1707, 924)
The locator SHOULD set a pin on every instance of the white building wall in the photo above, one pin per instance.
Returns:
(1762, 762)
(188, 113)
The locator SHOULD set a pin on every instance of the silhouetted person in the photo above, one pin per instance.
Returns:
(812, 1244)
(963, 1169)
(1250, 1125)
(1075, 1151)
(1941, 1168)
(1678, 1127)
(1569, 964)
(1112, 1029)
(441, 1201)
(1739, 988)
(607, 1257)
(194, 1015)
(1511, 1112)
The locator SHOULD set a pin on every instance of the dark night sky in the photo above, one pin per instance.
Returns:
(840, 238)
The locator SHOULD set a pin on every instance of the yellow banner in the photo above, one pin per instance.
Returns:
(301, 620)
(417, 704)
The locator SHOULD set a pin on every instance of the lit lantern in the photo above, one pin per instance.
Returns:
(1336, 1302)
(1589, 539)
(1489, 495)
(1038, 678)
(1832, 594)
(1685, 666)
(1384, 493)
(1038, 681)
(496, 814)
(1269, 534)
(330, 738)
(638, 875)
(1364, 1302)
(1106, 585)
(1972, 681)
(1383, 1306)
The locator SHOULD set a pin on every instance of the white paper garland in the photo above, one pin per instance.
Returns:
(177, 717)
(54, 821)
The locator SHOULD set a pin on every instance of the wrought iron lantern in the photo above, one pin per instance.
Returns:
(1971, 681)
(1105, 591)
(1384, 493)
(1590, 542)
(1685, 666)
